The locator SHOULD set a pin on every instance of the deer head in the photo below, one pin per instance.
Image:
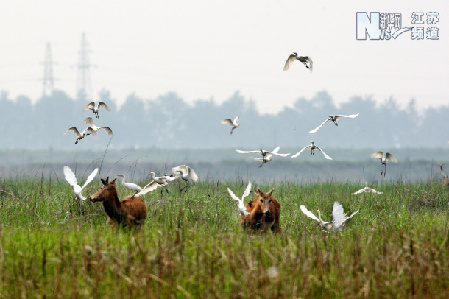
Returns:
(264, 199)
(107, 191)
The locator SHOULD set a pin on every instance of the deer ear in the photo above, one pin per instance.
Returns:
(113, 181)
(257, 190)
(105, 182)
(270, 192)
(107, 179)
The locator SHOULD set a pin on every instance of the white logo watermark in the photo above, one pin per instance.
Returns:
(385, 26)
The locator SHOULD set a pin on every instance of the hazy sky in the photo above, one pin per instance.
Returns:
(210, 49)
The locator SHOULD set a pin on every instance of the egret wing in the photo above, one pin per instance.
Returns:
(350, 116)
(192, 174)
(308, 213)
(74, 129)
(338, 215)
(359, 191)
(299, 153)
(247, 152)
(107, 130)
(89, 106)
(390, 157)
(90, 178)
(375, 191)
(233, 196)
(226, 121)
(289, 60)
(317, 128)
(236, 120)
(103, 104)
(153, 185)
(247, 191)
(70, 176)
(325, 155)
(89, 121)
(377, 155)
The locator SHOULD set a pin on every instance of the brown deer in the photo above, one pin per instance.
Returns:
(264, 213)
(128, 211)
(445, 177)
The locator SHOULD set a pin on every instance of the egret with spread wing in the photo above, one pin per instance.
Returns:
(92, 129)
(333, 118)
(338, 215)
(312, 148)
(79, 135)
(95, 107)
(306, 60)
(383, 161)
(71, 179)
(367, 189)
(240, 201)
(233, 123)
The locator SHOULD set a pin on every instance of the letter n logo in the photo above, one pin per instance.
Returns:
(368, 26)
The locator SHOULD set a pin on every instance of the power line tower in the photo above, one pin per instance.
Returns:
(48, 79)
(84, 84)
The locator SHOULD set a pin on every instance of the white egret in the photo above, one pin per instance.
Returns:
(71, 179)
(312, 147)
(367, 189)
(383, 161)
(304, 59)
(240, 201)
(233, 123)
(79, 135)
(333, 118)
(95, 107)
(92, 129)
(131, 186)
(264, 152)
(338, 215)
(185, 172)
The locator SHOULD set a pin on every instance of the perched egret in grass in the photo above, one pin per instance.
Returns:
(333, 118)
(367, 189)
(92, 129)
(240, 201)
(79, 135)
(306, 60)
(312, 148)
(71, 179)
(95, 107)
(233, 123)
(338, 215)
(383, 161)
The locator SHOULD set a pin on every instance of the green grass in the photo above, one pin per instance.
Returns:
(192, 245)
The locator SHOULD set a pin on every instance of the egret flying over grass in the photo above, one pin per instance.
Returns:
(240, 201)
(338, 215)
(383, 161)
(71, 179)
(306, 60)
(232, 123)
(333, 118)
(312, 148)
(92, 129)
(367, 189)
(95, 107)
(266, 155)
(79, 135)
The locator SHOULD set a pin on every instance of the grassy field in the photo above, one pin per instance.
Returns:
(191, 244)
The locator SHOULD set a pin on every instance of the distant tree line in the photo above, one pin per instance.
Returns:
(169, 122)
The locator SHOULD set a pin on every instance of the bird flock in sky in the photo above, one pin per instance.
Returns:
(187, 174)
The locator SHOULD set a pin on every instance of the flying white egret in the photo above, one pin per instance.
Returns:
(264, 159)
(185, 172)
(264, 152)
(131, 186)
(95, 107)
(383, 161)
(79, 135)
(312, 147)
(155, 182)
(367, 189)
(333, 118)
(338, 215)
(71, 179)
(304, 59)
(240, 201)
(233, 123)
(92, 129)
